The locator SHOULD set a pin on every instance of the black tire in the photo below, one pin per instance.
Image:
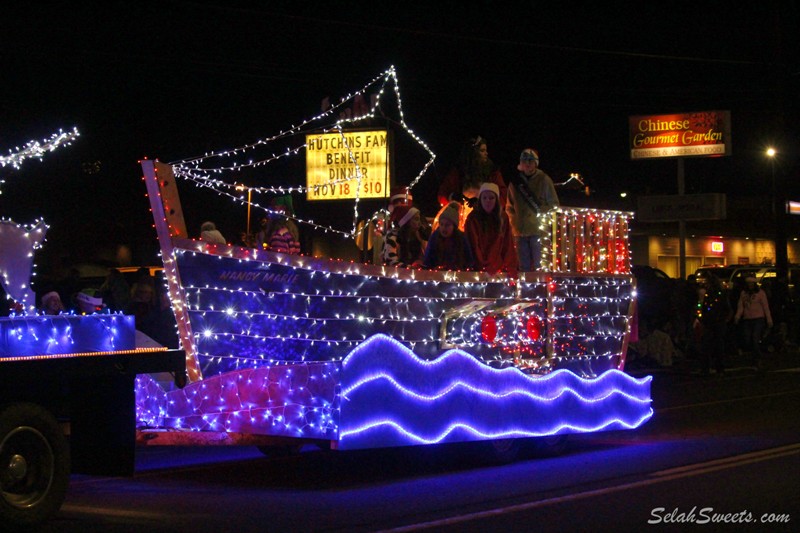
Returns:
(34, 466)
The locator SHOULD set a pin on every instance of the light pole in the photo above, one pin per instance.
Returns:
(781, 256)
(771, 154)
(249, 193)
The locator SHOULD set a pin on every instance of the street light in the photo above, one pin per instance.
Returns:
(249, 193)
(781, 259)
(771, 154)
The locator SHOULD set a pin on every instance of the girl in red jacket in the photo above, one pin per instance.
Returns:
(489, 233)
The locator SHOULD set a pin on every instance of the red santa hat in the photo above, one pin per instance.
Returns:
(403, 213)
(400, 195)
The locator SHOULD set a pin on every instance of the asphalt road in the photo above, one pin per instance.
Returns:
(720, 454)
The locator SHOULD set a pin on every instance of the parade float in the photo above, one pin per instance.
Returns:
(350, 355)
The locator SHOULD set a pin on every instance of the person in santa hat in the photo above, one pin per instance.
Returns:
(489, 233)
(404, 246)
(381, 222)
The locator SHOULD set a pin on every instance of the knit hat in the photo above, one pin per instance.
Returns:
(489, 186)
(529, 154)
(450, 213)
(284, 200)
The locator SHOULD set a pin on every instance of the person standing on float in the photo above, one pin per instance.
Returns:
(530, 193)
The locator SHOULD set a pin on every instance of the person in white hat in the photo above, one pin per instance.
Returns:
(530, 192)
(489, 233)
(52, 304)
(210, 233)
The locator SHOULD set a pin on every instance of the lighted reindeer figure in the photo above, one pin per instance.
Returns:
(18, 244)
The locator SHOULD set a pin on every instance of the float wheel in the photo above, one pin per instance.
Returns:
(34, 466)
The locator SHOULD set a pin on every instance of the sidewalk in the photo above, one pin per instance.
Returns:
(787, 358)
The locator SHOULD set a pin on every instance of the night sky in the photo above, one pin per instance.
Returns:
(175, 79)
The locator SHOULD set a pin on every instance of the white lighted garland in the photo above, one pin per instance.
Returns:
(199, 170)
(37, 149)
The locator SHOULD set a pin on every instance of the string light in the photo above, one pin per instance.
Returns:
(45, 336)
(382, 394)
(204, 172)
(37, 149)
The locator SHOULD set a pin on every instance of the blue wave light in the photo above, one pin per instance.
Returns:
(390, 397)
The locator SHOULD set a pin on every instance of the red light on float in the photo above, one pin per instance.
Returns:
(489, 328)
(534, 328)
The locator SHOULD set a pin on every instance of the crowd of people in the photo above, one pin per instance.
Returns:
(710, 325)
(277, 232)
(484, 223)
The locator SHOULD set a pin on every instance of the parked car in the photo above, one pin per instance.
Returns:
(731, 276)
(655, 291)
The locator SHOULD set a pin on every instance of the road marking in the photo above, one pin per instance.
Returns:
(736, 460)
(655, 478)
(111, 512)
(732, 400)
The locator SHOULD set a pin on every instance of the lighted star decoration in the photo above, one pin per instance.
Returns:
(219, 170)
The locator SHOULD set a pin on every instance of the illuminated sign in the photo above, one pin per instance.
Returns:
(704, 134)
(793, 208)
(717, 247)
(347, 165)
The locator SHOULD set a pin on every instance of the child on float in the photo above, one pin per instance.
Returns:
(489, 233)
(283, 237)
(283, 233)
(448, 247)
(404, 245)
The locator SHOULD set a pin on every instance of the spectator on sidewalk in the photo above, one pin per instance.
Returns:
(754, 314)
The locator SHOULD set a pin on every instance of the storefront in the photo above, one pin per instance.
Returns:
(662, 251)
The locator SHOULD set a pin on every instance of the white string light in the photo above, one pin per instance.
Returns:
(37, 149)
(204, 173)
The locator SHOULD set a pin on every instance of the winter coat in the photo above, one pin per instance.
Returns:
(521, 214)
(493, 246)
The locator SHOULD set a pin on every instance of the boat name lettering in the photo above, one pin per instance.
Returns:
(274, 277)
(280, 278)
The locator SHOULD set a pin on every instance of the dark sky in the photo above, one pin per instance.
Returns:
(175, 79)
